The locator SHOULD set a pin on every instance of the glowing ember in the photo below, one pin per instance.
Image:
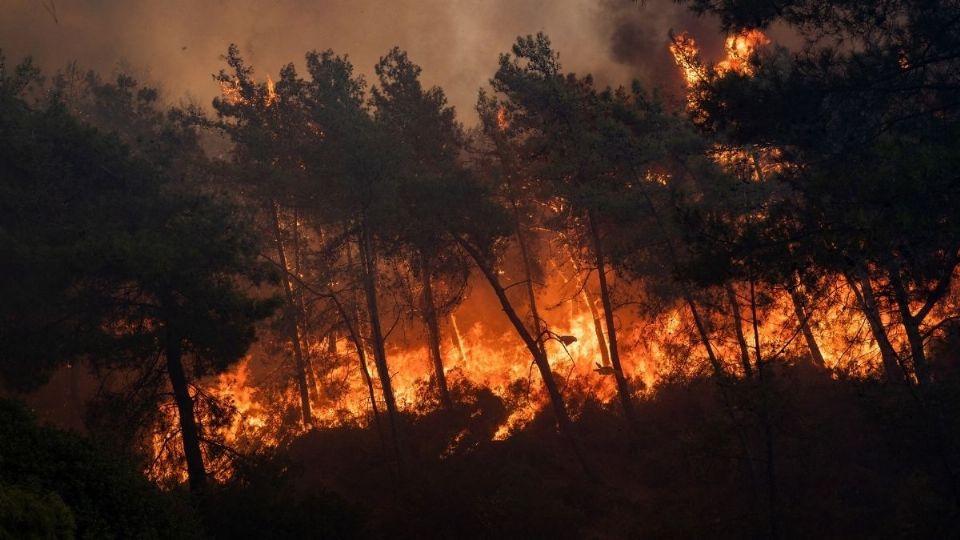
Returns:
(230, 90)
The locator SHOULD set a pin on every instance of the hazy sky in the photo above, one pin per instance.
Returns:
(177, 43)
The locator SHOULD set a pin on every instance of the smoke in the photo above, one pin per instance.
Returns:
(177, 44)
(638, 36)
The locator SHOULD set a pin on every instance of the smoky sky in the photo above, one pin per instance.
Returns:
(177, 44)
(639, 37)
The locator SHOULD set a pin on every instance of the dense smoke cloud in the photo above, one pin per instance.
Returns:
(639, 35)
(177, 43)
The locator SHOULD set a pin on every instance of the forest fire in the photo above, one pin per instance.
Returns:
(652, 347)
(480, 356)
(721, 299)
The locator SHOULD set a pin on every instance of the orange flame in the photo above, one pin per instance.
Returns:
(271, 93)
(502, 122)
(653, 346)
(740, 49)
(230, 90)
(687, 56)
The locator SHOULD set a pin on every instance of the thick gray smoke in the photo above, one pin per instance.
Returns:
(639, 35)
(177, 43)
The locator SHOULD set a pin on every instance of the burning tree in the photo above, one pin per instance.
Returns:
(605, 155)
(430, 142)
(886, 149)
(267, 126)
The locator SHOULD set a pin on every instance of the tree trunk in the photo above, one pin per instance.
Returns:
(623, 386)
(539, 358)
(594, 314)
(597, 328)
(190, 434)
(863, 291)
(303, 334)
(368, 380)
(291, 322)
(332, 341)
(912, 327)
(433, 333)
(738, 329)
(356, 336)
(772, 491)
(528, 275)
(756, 327)
(369, 274)
(803, 319)
(719, 376)
(715, 363)
(457, 339)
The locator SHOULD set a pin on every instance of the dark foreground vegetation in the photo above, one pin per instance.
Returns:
(780, 245)
(854, 459)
